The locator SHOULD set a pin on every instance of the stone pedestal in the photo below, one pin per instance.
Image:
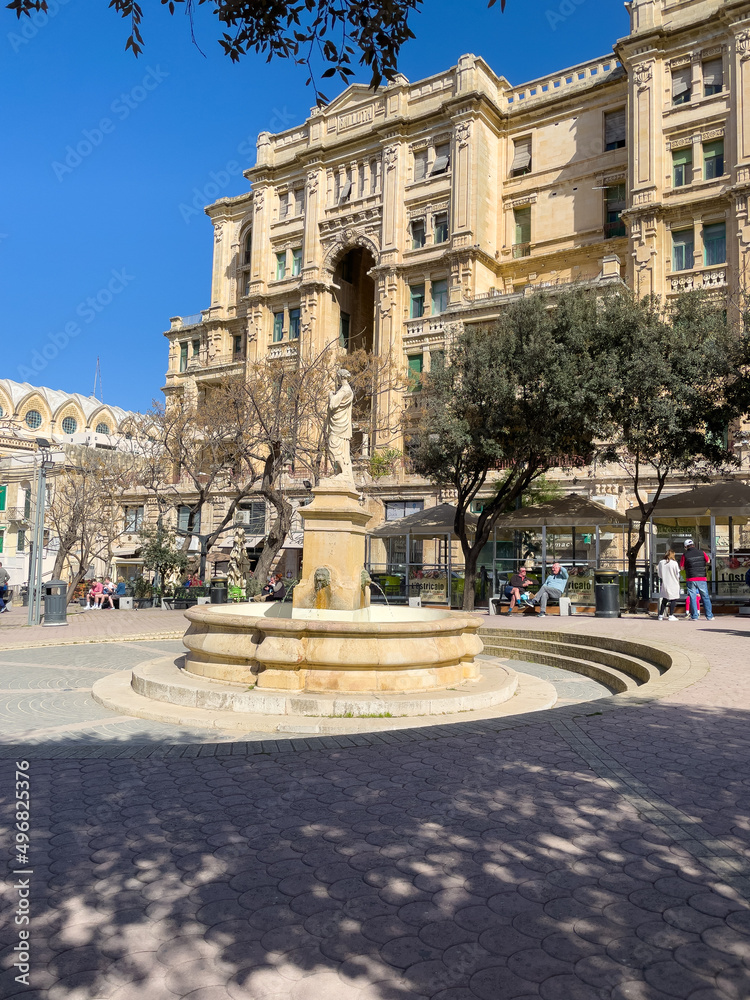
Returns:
(334, 553)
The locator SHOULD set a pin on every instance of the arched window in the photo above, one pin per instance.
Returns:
(102, 428)
(33, 419)
(70, 425)
(248, 247)
(2, 412)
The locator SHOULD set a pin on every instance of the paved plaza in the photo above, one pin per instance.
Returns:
(585, 853)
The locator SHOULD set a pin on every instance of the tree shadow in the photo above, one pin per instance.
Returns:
(495, 865)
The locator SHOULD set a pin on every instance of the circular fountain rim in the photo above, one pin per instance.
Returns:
(450, 621)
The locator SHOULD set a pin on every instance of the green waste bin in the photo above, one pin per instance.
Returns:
(219, 590)
(607, 593)
(55, 603)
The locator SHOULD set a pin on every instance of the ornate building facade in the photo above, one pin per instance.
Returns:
(388, 220)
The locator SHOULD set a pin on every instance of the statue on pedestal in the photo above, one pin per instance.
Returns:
(340, 429)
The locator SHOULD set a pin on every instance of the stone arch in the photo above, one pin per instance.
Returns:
(349, 239)
(6, 405)
(102, 415)
(35, 401)
(69, 409)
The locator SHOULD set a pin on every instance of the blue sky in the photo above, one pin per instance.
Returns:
(96, 252)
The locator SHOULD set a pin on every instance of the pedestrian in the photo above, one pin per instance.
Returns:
(694, 562)
(516, 586)
(94, 590)
(669, 591)
(553, 589)
(4, 577)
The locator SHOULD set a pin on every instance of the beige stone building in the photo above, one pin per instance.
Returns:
(387, 220)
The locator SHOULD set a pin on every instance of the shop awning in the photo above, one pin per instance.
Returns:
(572, 511)
(730, 498)
(434, 522)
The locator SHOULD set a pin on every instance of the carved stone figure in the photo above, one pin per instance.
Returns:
(340, 428)
(322, 578)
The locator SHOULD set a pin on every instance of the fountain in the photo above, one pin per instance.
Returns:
(328, 654)
(331, 639)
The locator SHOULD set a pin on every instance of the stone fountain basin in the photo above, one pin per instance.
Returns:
(377, 649)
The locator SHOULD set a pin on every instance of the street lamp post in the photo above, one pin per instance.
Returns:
(36, 562)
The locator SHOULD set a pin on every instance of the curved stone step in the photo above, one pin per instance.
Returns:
(639, 669)
(616, 680)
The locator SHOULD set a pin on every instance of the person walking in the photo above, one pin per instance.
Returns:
(694, 562)
(553, 589)
(669, 591)
(4, 577)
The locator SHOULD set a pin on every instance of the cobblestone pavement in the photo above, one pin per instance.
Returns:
(90, 626)
(585, 853)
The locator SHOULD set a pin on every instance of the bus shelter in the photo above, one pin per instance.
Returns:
(717, 517)
(418, 556)
(579, 533)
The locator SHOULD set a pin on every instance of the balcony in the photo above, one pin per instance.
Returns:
(184, 322)
(707, 278)
(19, 515)
(521, 250)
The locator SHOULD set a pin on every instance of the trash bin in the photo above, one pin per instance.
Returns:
(25, 596)
(55, 603)
(607, 593)
(219, 590)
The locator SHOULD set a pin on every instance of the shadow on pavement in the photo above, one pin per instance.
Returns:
(492, 867)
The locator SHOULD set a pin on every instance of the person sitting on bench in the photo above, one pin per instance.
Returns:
(515, 587)
(553, 589)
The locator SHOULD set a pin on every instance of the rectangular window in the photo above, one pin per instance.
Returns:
(238, 352)
(278, 327)
(521, 157)
(615, 129)
(252, 514)
(439, 294)
(442, 159)
(396, 509)
(713, 159)
(2, 538)
(246, 287)
(682, 82)
(374, 176)
(522, 233)
(683, 246)
(682, 167)
(416, 301)
(294, 323)
(3, 495)
(418, 234)
(183, 356)
(713, 76)
(296, 262)
(299, 201)
(415, 372)
(345, 321)
(420, 165)
(284, 205)
(21, 541)
(196, 348)
(441, 228)
(133, 518)
(188, 521)
(281, 265)
(615, 206)
(715, 244)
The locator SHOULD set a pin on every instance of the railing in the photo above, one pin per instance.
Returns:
(613, 230)
(182, 322)
(547, 85)
(214, 360)
(521, 250)
(424, 326)
(19, 514)
(278, 351)
(707, 278)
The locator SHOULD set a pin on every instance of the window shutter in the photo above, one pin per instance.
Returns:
(441, 164)
(523, 225)
(681, 157)
(345, 191)
(682, 80)
(3, 492)
(713, 73)
(522, 155)
(420, 165)
(615, 125)
(616, 198)
(713, 149)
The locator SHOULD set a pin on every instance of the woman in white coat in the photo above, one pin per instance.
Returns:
(669, 592)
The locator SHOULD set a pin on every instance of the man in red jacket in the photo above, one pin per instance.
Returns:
(694, 562)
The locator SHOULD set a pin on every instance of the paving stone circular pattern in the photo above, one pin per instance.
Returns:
(568, 857)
